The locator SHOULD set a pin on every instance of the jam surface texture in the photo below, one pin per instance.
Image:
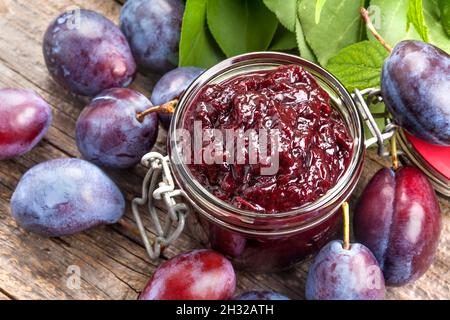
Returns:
(314, 146)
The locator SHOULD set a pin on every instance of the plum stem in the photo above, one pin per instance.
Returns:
(345, 211)
(394, 154)
(168, 107)
(370, 26)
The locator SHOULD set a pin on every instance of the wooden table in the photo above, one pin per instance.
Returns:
(111, 260)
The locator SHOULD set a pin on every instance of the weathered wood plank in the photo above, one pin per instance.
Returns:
(113, 264)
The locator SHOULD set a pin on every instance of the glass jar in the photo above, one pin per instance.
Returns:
(266, 242)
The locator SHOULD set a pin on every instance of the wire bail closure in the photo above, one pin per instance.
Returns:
(159, 185)
(379, 137)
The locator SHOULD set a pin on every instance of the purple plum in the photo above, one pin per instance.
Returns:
(196, 275)
(87, 53)
(341, 274)
(398, 218)
(24, 120)
(171, 86)
(65, 196)
(108, 132)
(415, 88)
(153, 29)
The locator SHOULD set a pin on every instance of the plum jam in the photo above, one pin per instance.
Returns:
(265, 222)
(314, 143)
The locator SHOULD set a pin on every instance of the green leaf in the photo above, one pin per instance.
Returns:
(437, 34)
(285, 10)
(241, 26)
(416, 16)
(303, 47)
(444, 6)
(283, 40)
(340, 26)
(197, 47)
(319, 8)
(359, 65)
(393, 20)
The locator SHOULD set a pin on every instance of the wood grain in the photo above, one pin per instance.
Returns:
(111, 261)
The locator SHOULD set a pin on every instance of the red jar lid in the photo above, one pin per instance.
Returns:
(437, 157)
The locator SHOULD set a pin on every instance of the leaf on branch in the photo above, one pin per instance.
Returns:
(416, 17)
(340, 26)
(359, 65)
(284, 40)
(241, 26)
(285, 10)
(319, 7)
(197, 47)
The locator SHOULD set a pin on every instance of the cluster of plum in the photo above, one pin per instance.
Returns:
(397, 219)
(92, 57)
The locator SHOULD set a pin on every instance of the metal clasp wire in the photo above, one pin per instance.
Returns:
(379, 137)
(159, 185)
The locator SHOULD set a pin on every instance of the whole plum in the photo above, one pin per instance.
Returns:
(345, 274)
(153, 29)
(88, 53)
(24, 119)
(171, 86)
(108, 132)
(196, 275)
(65, 196)
(415, 87)
(398, 218)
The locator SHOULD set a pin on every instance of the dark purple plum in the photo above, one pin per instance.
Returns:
(171, 86)
(398, 218)
(65, 196)
(153, 29)
(87, 53)
(261, 295)
(415, 88)
(196, 275)
(341, 274)
(108, 132)
(24, 120)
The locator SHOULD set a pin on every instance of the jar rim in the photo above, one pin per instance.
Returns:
(275, 59)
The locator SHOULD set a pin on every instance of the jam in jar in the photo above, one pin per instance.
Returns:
(266, 222)
(314, 143)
